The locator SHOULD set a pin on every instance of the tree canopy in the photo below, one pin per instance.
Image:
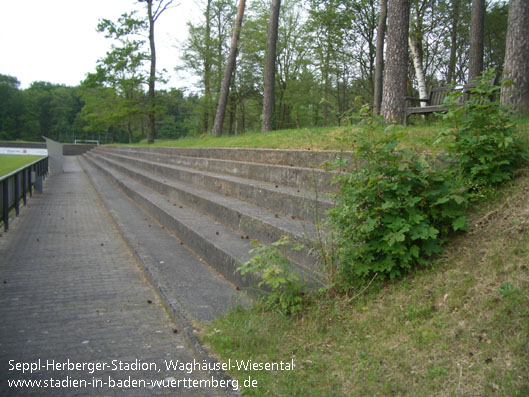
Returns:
(325, 69)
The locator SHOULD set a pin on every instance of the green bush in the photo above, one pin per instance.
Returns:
(480, 135)
(273, 269)
(394, 209)
(397, 207)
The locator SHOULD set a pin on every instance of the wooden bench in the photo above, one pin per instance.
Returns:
(435, 100)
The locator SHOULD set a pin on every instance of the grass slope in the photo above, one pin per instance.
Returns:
(420, 137)
(9, 163)
(460, 327)
(318, 138)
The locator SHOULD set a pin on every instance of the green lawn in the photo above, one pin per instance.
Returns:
(10, 163)
(458, 327)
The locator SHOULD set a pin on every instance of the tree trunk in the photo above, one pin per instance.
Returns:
(207, 68)
(232, 111)
(475, 67)
(270, 67)
(395, 79)
(419, 70)
(379, 66)
(230, 67)
(516, 65)
(153, 16)
(327, 85)
(152, 76)
(450, 76)
(112, 134)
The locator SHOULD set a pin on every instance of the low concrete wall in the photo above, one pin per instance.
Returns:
(76, 150)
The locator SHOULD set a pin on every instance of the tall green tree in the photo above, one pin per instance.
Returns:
(516, 65)
(270, 67)
(122, 69)
(495, 36)
(11, 108)
(379, 66)
(204, 53)
(477, 27)
(230, 68)
(160, 6)
(329, 23)
(207, 60)
(395, 79)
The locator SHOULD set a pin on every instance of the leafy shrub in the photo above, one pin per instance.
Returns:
(394, 209)
(480, 135)
(273, 269)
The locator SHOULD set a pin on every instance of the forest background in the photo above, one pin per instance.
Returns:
(325, 71)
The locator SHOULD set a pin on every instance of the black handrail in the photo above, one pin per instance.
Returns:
(17, 184)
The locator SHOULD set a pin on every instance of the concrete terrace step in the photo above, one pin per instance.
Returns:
(283, 199)
(289, 158)
(217, 244)
(244, 218)
(290, 175)
(178, 270)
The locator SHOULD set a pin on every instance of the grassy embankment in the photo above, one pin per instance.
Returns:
(322, 138)
(9, 163)
(459, 326)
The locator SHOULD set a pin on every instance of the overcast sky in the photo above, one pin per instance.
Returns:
(56, 40)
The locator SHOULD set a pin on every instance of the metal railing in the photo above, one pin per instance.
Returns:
(17, 184)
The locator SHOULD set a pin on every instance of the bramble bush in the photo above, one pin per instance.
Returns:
(394, 209)
(480, 136)
(397, 207)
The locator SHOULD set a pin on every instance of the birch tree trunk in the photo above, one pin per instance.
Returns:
(419, 70)
(379, 66)
(270, 67)
(396, 75)
(516, 65)
(230, 67)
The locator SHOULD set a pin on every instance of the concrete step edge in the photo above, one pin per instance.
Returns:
(217, 244)
(243, 218)
(305, 158)
(298, 177)
(282, 199)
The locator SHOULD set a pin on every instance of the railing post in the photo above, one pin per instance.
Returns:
(31, 180)
(38, 177)
(5, 199)
(24, 183)
(16, 194)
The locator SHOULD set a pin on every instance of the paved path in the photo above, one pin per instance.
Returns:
(70, 289)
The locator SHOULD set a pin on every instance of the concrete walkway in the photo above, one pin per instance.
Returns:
(72, 292)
